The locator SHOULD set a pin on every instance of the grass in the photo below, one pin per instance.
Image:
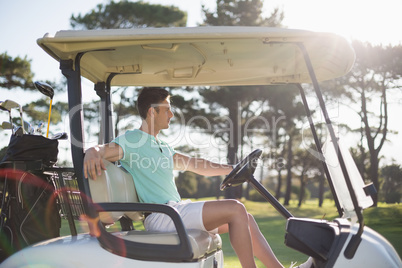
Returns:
(272, 225)
(385, 219)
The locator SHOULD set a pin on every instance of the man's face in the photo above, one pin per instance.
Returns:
(162, 115)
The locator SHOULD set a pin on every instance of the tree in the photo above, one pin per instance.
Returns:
(376, 72)
(286, 110)
(307, 166)
(187, 184)
(125, 14)
(15, 72)
(392, 183)
(203, 187)
(240, 13)
(121, 15)
(124, 108)
(38, 111)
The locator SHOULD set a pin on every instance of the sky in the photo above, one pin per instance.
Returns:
(24, 21)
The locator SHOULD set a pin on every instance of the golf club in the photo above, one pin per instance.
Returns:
(48, 91)
(39, 128)
(28, 128)
(7, 125)
(9, 104)
(60, 136)
(2, 107)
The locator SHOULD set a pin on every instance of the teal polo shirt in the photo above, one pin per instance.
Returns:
(151, 164)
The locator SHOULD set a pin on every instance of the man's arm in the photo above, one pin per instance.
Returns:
(200, 166)
(93, 160)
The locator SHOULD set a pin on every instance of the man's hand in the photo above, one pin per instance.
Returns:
(93, 160)
(93, 163)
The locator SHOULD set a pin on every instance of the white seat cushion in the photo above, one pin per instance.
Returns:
(201, 242)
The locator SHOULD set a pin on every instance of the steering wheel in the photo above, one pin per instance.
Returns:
(242, 171)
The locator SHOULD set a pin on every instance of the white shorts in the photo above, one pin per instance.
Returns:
(190, 213)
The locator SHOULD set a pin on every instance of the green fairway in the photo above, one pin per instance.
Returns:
(385, 219)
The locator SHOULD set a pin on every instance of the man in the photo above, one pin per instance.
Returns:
(151, 163)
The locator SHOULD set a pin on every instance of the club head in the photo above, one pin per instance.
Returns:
(7, 125)
(9, 104)
(60, 136)
(3, 106)
(28, 128)
(45, 89)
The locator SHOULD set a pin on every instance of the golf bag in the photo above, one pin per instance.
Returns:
(29, 211)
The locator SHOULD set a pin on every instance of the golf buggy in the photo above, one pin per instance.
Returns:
(202, 56)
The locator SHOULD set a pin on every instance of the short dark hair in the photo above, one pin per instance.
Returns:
(150, 96)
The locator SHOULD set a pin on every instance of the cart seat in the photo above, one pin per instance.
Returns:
(202, 243)
(116, 185)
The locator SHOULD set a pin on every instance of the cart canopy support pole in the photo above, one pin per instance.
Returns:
(106, 111)
(71, 70)
(355, 241)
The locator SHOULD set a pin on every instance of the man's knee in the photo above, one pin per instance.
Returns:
(238, 208)
(250, 217)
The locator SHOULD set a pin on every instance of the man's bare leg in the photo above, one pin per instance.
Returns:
(234, 214)
(262, 250)
(259, 245)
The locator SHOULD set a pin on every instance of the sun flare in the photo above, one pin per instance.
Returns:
(358, 19)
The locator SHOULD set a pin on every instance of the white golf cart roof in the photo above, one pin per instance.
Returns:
(201, 55)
